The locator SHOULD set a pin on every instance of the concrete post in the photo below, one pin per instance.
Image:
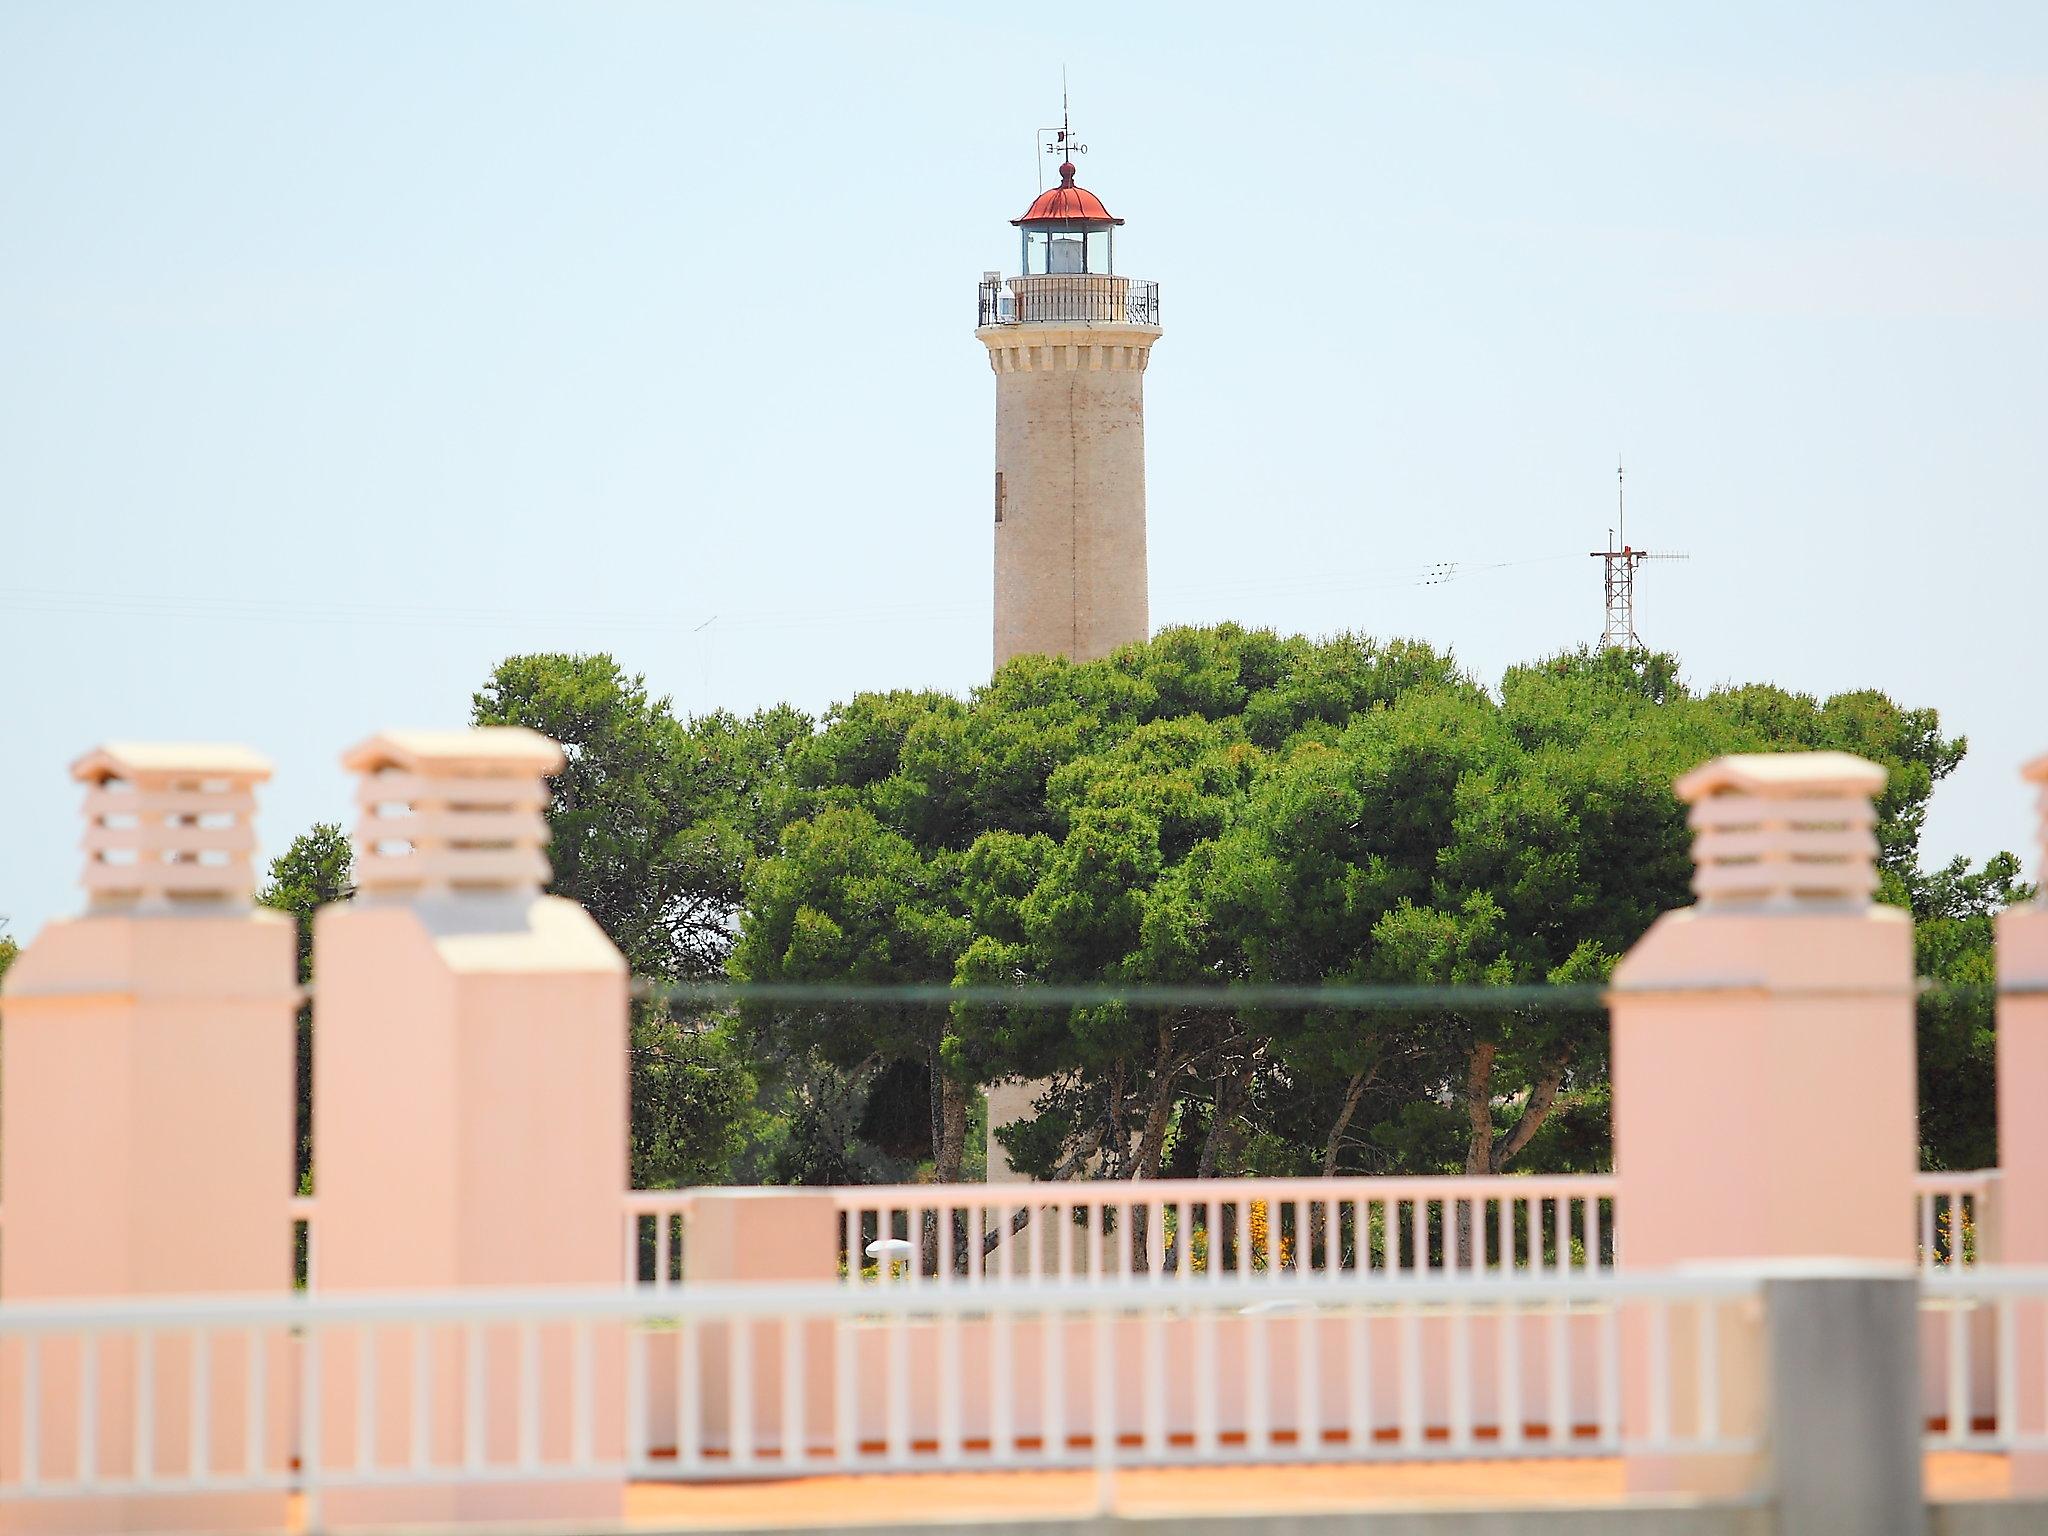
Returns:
(1844, 1367)
(2023, 1129)
(1763, 1040)
(470, 1105)
(146, 1128)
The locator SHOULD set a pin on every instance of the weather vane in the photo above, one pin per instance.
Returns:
(1061, 141)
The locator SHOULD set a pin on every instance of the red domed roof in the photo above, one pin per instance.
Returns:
(1067, 204)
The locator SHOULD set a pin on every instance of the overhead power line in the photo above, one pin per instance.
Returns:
(354, 613)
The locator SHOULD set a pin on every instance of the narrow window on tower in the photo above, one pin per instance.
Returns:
(999, 495)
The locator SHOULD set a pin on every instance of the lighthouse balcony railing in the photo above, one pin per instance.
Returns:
(1080, 298)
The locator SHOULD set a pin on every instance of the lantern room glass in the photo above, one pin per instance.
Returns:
(1069, 251)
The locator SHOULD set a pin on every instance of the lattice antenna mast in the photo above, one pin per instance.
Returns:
(1619, 573)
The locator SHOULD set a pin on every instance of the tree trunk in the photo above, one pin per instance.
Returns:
(951, 1152)
(1478, 1148)
(935, 1076)
(1354, 1091)
(1116, 1145)
(1152, 1142)
(1479, 1109)
(1318, 1233)
(1542, 1099)
(1151, 1148)
(1230, 1092)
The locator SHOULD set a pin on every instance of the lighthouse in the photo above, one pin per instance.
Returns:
(1068, 339)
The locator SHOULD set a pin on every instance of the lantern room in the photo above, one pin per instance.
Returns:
(1067, 231)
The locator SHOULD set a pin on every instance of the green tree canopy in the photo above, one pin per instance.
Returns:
(1215, 806)
(1224, 805)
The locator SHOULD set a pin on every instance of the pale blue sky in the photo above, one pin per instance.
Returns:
(349, 348)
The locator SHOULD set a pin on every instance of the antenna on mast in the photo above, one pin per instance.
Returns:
(1619, 573)
(1620, 500)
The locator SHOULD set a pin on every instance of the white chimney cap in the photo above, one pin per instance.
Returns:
(485, 749)
(181, 759)
(1784, 774)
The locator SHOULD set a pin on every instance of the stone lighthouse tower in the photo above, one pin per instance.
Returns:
(1069, 339)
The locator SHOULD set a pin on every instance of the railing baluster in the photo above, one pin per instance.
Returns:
(1461, 1377)
(1358, 1380)
(366, 1398)
(88, 1407)
(310, 1447)
(1708, 1414)
(1103, 1365)
(739, 1397)
(2005, 1362)
(1153, 1382)
(1958, 1372)
(636, 1403)
(896, 1397)
(582, 1392)
(949, 1395)
(1258, 1392)
(199, 1389)
(1054, 1344)
(1610, 1377)
(1659, 1322)
(690, 1394)
(1510, 1373)
(31, 1412)
(1560, 1352)
(529, 1395)
(1206, 1388)
(473, 1368)
(1002, 1416)
(146, 1408)
(793, 1416)
(257, 1412)
(1411, 1376)
(1308, 1407)
(422, 1392)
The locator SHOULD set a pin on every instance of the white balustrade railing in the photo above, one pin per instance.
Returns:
(657, 1229)
(1215, 1227)
(1955, 1222)
(1212, 1228)
(1984, 1357)
(481, 1387)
